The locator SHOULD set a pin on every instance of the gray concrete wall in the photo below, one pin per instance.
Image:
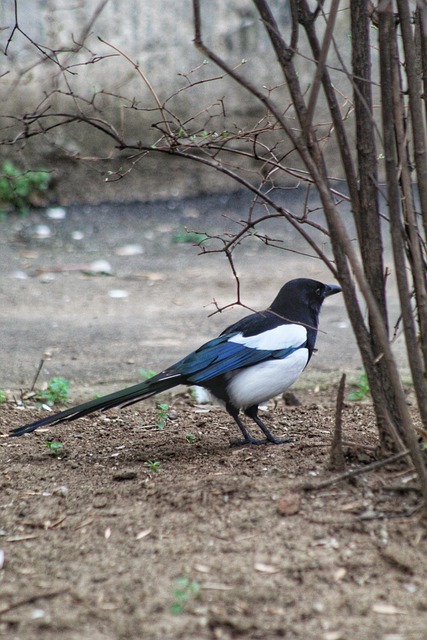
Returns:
(158, 36)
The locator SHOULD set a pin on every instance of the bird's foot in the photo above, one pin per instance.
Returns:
(245, 441)
(275, 440)
(271, 440)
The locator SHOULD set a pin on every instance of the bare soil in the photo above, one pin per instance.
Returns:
(138, 532)
(97, 540)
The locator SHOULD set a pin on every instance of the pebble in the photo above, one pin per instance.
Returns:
(289, 504)
(62, 491)
(56, 213)
(99, 502)
(36, 614)
(118, 293)
(42, 231)
(46, 278)
(129, 250)
(100, 266)
(125, 474)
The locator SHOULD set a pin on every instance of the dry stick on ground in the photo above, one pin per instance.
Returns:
(336, 458)
(33, 598)
(374, 466)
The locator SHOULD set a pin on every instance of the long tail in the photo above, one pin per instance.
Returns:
(162, 382)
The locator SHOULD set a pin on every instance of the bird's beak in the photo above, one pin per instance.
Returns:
(331, 289)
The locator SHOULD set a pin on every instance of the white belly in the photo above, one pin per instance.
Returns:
(266, 380)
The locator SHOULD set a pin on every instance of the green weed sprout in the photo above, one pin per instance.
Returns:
(162, 414)
(3, 396)
(191, 438)
(361, 391)
(54, 447)
(147, 373)
(153, 465)
(162, 408)
(185, 590)
(18, 189)
(56, 392)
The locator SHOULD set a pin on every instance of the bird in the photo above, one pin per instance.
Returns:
(251, 361)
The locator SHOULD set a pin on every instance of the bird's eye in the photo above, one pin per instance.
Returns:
(318, 291)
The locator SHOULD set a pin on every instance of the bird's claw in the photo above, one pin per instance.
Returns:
(271, 440)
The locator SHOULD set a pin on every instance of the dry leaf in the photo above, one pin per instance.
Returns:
(201, 568)
(143, 534)
(265, 568)
(387, 609)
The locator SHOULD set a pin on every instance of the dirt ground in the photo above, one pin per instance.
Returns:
(132, 531)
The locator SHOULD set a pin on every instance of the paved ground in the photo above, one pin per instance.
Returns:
(96, 339)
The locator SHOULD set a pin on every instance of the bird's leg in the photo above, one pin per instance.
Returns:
(252, 412)
(248, 439)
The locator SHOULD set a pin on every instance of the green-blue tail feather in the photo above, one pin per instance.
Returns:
(162, 382)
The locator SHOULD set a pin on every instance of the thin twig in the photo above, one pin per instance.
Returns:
(374, 466)
(37, 374)
(336, 459)
(327, 38)
(138, 69)
(33, 598)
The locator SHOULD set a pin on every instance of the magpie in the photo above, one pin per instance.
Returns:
(251, 361)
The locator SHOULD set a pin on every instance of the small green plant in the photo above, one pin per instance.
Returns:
(191, 438)
(153, 465)
(147, 373)
(361, 391)
(56, 392)
(54, 447)
(185, 589)
(19, 189)
(3, 396)
(162, 415)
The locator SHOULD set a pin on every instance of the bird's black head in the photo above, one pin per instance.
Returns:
(300, 300)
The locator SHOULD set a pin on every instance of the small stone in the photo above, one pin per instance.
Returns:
(56, 213)
(290, 399)
(289, 504)
(118, 293)
(129, 250)
(46, 278)
(19, 275)
(125, 474)
(102, 267)
(62, 491)
(42, 231)
(100, 502)
(36, 614)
